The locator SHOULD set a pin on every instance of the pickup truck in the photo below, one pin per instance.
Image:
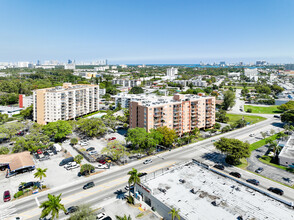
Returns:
(72, 167)
(70, 164)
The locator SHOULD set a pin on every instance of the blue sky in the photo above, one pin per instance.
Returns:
(147, 31)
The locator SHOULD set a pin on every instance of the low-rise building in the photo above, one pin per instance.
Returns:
(286, 156)
(200, 193)
(10, 110)
(183, 113)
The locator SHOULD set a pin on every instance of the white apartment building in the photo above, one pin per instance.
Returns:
(172, 71)
(65, 102)
(127, 82)
(252, 74)
(195, 82)
(70, 66)
(124, 99)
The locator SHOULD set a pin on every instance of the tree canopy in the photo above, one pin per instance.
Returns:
(234, 148)
(288, 116)
(229, 100)
(287, 106)
(57, 130)
(91, 127)
(136, 90)
(115, 150)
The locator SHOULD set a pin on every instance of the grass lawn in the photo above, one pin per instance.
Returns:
(263, 110)
(244, 164)
(262, 142)
(249, 118)
(267, 160)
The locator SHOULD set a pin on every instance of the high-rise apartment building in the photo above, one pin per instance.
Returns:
(171, 71)
(183, 113)
(65, 102)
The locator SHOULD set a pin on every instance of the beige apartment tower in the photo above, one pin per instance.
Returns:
(182, 113)
(65, 102)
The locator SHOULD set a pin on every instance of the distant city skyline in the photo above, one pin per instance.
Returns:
(148, 32)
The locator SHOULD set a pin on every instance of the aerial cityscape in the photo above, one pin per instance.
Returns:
(149, 110)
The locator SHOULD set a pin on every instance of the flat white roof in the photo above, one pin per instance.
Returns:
(232, 199)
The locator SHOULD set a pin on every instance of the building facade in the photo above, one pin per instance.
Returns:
(171, 71)
(65, 102)
(127, 82)
(183, 113)
(25, 101)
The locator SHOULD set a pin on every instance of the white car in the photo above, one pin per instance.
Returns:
(72, 167)
(50, 153)
(70, 164)
(93, 152)
(147, 161)
(101, 166)
(100, 216)
(84, 144)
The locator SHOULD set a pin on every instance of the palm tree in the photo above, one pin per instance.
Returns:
(175, 213)
(53, 206)
(40, 173)
(123, 218)
(134, 178)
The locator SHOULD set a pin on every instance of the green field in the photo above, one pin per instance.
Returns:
(249, 118)
(263, 110)
(262, 142)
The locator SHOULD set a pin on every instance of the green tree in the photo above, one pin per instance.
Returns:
(92, 127)
(136, 90)
(175, 213)
(11, 129)
(52, 206)
(84, 213)
(229, 100)
(40, 173)
(78, 159)
(133, 179)
(74, 141)
(86, 168)
(287, 106)
(115, 150)
(57, 130)
(4, 150)
(263, 134)
(288, 116)
(249, 110)
(169, 135)
(123, 218)
(217, 126)
(27, 113)
(221, 116)
(226, 129)
(3, 117)
(240, 123)
(234, 149)
(137, 136)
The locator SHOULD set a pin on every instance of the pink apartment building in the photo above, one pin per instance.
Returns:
(182, 113)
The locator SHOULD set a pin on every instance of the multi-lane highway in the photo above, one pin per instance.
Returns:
(108, 182)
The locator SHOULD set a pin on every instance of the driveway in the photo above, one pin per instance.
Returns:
(269, 171)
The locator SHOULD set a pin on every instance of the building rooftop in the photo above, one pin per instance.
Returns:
(288, 149)
(68, 87)
(230, 199)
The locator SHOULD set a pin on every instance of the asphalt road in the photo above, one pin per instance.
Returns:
(111, 180)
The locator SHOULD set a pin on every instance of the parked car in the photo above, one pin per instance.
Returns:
(72, 209)
(107, 218)
(46, 153)
(93, 152)
(6, 196)
(70, 164)
(84, 144)
(101, 166)
(102, 161)
(66, 161)
(90, 149)
(89, 185)
(100, 216)
(39, 151)
(44, 158)
(277, 116)
(235, 174)
(50, 152)
(142, 174)
(253, 181)
(129, 188)
(259, 170)
(85, 173)
(219, 166)
(147, 161)
(26, 186)
(276, 190)
(251, 135)
(112, 138)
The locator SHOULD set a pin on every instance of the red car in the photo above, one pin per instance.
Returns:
(102, 161)
(39, 151)
(6, 196)
(111, 139)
